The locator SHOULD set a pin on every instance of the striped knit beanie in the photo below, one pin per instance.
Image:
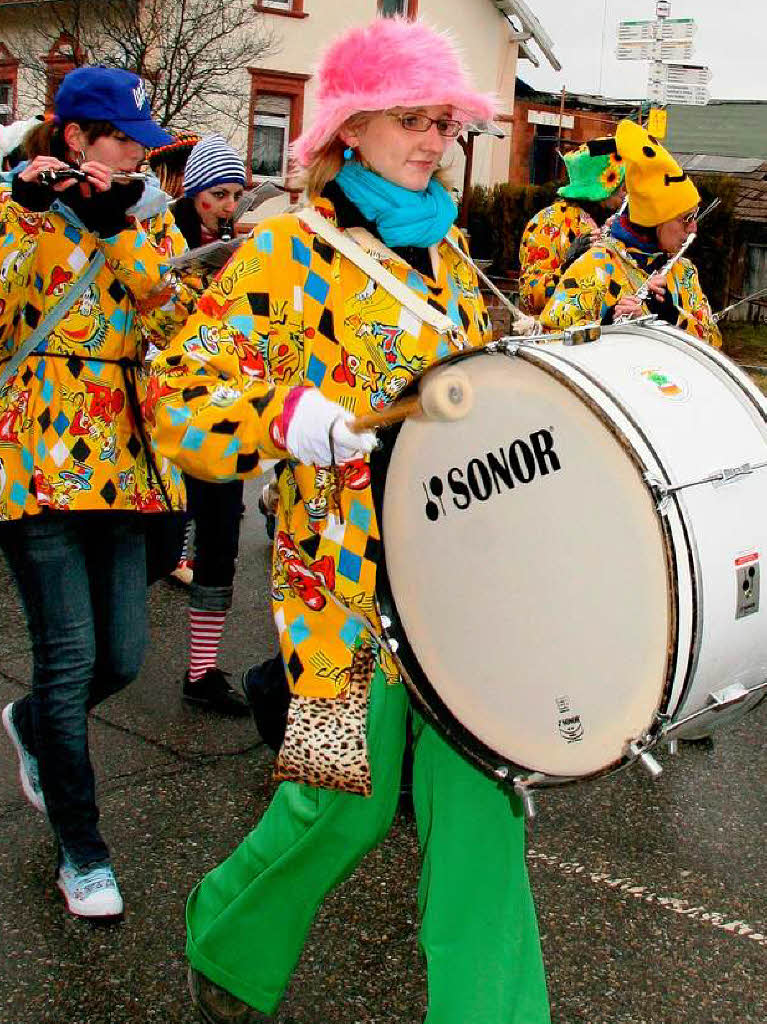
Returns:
(212, 162)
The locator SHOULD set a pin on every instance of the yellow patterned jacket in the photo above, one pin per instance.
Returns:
(68, 437)
(595, 282)
(544, 245)
(288, 310)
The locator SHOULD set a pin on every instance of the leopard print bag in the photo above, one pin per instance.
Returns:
(325, 741)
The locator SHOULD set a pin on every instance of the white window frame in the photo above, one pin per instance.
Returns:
(6, 106)
(263, 119)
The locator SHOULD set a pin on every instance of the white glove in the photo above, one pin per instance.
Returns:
(308, 437)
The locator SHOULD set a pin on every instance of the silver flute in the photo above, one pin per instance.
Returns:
(644, 291)
(53, 177)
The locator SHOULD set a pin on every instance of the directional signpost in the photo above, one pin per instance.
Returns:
(671, 49)
(679, 83)
(667, 43)
(682, 29)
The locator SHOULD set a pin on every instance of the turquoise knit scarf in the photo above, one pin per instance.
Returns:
(401, 216)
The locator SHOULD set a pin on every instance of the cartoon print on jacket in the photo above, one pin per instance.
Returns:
(544, 245)
(306, 581)
(326, 327)
(84, 326)
(66, 428)
(14, 417)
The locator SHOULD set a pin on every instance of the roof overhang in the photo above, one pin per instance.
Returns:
(531, 28)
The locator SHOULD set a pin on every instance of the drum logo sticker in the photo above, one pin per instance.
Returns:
(489, 475)
(674, 388)
(570, 725)
(746, 584)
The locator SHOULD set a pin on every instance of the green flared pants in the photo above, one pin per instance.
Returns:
(247, 920)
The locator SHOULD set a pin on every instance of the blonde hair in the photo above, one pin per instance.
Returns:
(329, 160)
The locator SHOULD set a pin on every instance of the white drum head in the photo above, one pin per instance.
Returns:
(528, 568)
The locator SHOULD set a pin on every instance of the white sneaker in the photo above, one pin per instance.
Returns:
(29, 774)
(90, 892)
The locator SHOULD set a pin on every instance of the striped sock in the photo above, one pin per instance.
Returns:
(205, 629)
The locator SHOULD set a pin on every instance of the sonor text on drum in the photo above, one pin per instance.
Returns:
(492, 473)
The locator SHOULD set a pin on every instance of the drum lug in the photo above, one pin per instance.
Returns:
(638, 750)
(505, 346)
(660, 492)
(584, 335)
(673, 747)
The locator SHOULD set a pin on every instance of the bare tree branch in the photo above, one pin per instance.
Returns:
(190, 52)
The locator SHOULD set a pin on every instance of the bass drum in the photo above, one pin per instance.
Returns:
(571, 571)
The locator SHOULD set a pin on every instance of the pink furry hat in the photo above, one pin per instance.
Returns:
(389, 63)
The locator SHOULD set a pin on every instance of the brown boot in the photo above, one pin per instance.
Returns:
(217, 1006)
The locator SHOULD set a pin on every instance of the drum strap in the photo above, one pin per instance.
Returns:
(343, 243)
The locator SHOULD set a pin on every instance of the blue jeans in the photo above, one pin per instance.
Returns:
(82, 581)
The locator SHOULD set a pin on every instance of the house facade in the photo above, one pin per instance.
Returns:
(547, 124)
(281, 90)
(278, 94)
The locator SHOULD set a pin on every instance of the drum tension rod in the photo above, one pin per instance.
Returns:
(662, 490)
(523, 789)
(638, 750)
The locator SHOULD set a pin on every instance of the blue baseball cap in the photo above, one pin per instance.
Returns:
(113, 95)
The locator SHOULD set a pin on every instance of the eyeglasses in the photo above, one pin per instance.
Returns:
(690, 218)
(446, 126)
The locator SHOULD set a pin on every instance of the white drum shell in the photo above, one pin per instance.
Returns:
(718, 422)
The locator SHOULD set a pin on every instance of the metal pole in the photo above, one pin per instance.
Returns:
(561, 115)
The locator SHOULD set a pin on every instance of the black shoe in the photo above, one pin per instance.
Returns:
(267, 693)
(214, 692)
(217, 1006)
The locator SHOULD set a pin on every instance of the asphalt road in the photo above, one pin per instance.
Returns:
(651, 895)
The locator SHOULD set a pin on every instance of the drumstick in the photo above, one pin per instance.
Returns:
(386, 417)
(445, 394)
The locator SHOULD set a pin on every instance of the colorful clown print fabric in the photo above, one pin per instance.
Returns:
(288, 310)
(68, 435)
(544, 245)
(594, 283)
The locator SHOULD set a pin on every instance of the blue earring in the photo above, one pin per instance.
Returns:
(348, 153)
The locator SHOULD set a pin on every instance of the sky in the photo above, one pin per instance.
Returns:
(731, 40)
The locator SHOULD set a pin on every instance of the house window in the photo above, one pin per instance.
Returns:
(271, 135)
(391, 8)
(9, 70)
(6, 102)
(63, 57)
(276, 118)
(289, 8)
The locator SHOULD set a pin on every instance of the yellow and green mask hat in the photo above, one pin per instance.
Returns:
(595, 171)
(658, 189)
